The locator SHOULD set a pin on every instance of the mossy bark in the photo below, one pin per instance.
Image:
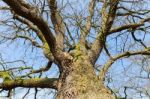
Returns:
(79, 81)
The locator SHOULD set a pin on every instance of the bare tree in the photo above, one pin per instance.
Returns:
(76, 40)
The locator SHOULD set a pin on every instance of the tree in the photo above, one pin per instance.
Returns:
(75, 40)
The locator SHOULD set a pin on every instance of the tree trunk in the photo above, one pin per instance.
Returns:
(79, 81)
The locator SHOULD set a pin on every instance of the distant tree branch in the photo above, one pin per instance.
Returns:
(34, 43)
(131, 12)
(26, 94)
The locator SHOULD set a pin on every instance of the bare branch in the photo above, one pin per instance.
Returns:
(26, 94)
(129, 26)
(34, 43)
(43, 69)
(49, 64)
(88, 24)
(58, 23)
(105, 68)
(28, 12)
(130, 12)
(31, 26)
(106, 24)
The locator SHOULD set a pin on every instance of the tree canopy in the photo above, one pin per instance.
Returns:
(44, 41)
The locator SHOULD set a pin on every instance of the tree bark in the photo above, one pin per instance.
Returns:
(79, 81)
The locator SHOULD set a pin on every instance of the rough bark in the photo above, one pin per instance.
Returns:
(79, 81)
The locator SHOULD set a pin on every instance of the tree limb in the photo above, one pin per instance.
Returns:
(106, 24)
(30, 83)
(129, 26)
(58, 23)
(28, 12)
(105, 68)
(44, 69)
(85, 31)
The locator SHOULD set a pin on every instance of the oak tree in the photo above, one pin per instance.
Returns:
(84, 38)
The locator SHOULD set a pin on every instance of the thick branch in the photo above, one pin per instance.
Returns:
(58, 23)
(28, 12)
(105, 68)
(39, 34)
(85, 31)
(106, 24)
(91, 14)
(30, 83)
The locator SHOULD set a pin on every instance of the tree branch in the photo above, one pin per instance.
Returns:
(44, 69)
(28, 12)
(58, 23)
(31, 26)
(105, 68)
(106, 24)
(129, 26)
(131, 12)
(34, 43)
(30, 83)
(49, 64)
(85, 31)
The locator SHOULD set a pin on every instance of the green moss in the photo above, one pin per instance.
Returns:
(78, 52)
(25, 67)
(47, 51)
(46, 47)
(5, 75)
